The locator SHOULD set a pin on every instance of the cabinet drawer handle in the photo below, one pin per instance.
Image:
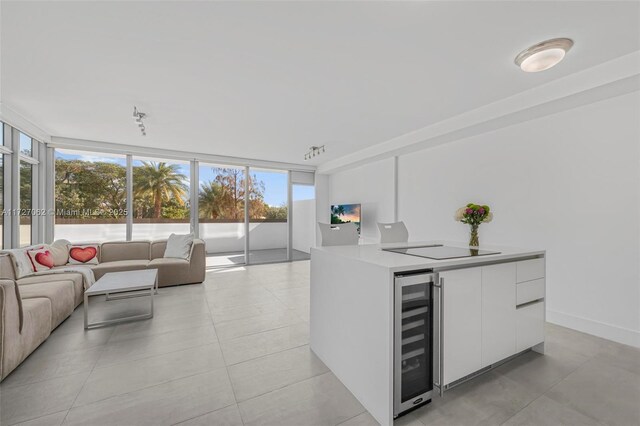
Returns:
(533, 302)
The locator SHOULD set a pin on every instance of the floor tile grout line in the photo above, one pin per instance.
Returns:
(352, 417)
(154, 335)
(266, 355)
(263, 331)
(39, 417)
(224, 360)
(87, 378)
(147, 387)
(291, 384)
(285, 386)
(112, 364)
(207, 413)
(545, 394)
(518, 411)
(251, 316)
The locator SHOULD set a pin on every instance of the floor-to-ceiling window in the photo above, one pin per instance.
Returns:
(221, 192)
(236, 210)
(27, 164)
(268, 210)
(160, 198)
(90, 196)
(2, 150)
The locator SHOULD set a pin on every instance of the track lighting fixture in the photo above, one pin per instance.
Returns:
(138, 117)
(313, 151)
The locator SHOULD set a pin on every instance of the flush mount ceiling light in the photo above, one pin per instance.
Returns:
(313, 151)
(543, 56)
(138, 117)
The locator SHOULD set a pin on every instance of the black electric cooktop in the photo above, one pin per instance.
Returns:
(440, 252)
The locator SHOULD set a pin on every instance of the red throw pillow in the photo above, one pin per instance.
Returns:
(41, 260)
(87, 254)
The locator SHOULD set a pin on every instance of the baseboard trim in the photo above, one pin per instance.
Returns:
(606, 331)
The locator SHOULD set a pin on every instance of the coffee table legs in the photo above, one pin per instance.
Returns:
(87, 325)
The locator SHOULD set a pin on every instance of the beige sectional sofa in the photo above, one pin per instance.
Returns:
(32, 306)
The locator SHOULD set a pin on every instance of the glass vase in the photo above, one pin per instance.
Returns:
(473, 239)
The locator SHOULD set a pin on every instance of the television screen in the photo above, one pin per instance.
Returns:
(346, 213)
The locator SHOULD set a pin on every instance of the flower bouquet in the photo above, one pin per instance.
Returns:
(473, 215)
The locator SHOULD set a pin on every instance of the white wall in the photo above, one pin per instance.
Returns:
(323, 203)
(568, 183)
(370, 185)
(304, 224)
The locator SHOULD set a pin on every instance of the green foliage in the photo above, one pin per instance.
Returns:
(159, 183)
(90, 187)
(98, 190)
(276, 212)
(224, 196)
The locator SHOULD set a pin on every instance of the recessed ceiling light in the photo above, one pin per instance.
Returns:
(543, 56)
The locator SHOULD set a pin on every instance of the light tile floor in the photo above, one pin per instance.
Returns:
(235, 351)
(235, 258)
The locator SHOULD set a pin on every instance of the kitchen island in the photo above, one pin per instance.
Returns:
(486, 309)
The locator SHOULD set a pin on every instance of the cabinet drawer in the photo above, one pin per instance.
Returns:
(529, 291)
(529, 326)
(527, 270)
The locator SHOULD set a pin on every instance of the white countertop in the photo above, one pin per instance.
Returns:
(373, 253)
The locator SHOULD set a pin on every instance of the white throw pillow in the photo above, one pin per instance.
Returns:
(179, 246)
(60, 252)
(21, 261)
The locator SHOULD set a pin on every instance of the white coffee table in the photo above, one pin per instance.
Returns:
(134, 283)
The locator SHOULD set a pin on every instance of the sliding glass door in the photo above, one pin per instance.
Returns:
(268, 213)
(221, 213)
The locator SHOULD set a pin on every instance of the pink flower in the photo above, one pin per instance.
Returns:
(481, 210)
(469, 211)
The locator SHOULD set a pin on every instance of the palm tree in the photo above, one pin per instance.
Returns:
(210, 199)
(160, 182)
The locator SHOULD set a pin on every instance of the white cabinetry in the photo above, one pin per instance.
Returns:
(530, 325)
(462, 331)
(530, 293)
(498, 312)
(491, 313)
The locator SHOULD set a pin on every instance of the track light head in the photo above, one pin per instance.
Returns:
(139, 116)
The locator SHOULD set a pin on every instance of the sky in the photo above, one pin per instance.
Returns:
(275, 183)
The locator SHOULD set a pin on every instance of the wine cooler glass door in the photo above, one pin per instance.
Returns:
(413, 329)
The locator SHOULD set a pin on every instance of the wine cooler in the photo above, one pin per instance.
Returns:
(413, 340)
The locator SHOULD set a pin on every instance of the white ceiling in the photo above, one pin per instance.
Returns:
(268, 80)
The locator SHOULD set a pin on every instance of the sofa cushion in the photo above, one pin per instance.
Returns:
(158, 248)
(6, 267)
(75, 277)
(59, 293)
(20, 260)
(122, 250)
(36, 323)
(118, 266)
(170, 271)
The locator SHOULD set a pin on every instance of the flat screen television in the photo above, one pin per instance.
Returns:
(346, 213)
